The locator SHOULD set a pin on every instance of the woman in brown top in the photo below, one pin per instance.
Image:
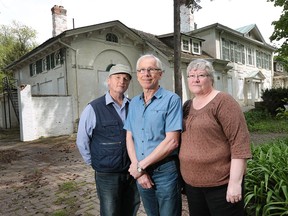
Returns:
(214, 148)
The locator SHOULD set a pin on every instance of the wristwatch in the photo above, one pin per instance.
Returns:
(139, 169)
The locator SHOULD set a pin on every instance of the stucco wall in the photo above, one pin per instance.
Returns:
(44, 116)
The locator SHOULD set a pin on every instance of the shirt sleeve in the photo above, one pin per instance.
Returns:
(235, 128)
(85, 129)
(174, 115)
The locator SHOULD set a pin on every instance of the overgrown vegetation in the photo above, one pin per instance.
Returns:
(266, 181)
(282, 113)
(262, 122)
(273, 99)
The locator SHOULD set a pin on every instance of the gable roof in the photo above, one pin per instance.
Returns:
(139, 37)
(258, 75)
(249, 33)
(68, 35)
(167, 49)
(251, 29)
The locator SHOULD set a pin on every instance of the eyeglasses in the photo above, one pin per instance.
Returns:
(149, 70)
(200, 76)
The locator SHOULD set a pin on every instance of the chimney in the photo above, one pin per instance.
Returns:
(186, 19)
(59, 20)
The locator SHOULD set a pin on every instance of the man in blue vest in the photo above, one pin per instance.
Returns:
(101, 141)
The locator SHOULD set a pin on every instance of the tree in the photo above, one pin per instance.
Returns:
(15, 41)
(281, 31)
(193, 4)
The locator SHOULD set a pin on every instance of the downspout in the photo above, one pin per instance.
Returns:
(76, 74)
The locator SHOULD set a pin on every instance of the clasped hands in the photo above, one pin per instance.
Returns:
(143, 178)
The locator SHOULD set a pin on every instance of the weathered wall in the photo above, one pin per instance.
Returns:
(44, 116)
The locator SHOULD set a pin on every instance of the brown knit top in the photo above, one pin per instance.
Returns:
(212, 136)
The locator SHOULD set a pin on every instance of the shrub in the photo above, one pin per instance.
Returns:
(283, 112)
(266, 181)
(273, 99)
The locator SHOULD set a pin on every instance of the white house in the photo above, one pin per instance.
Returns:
(57, 79)
(280, 79)
(250, 59)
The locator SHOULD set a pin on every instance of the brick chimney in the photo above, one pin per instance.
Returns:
(186, 19)
(59, 20)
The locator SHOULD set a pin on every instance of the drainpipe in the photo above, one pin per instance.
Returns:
(76, 74)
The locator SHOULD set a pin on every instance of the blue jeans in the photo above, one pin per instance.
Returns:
(211, 201)
(165, 197)
(117, 193)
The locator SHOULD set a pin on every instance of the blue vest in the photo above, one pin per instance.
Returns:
(108, 144)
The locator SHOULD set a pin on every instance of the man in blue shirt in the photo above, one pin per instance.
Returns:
(101, 141)
(153, 125)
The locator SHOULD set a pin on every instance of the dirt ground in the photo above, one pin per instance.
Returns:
(10, 138)
(258, 138)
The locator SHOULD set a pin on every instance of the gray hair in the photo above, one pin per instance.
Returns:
(202, 64)
(158, 62)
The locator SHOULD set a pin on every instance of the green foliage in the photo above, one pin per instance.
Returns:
(266, 181)
(280, 27)
(273, 99)
(15, 41)
(262, 122)
(283, 112)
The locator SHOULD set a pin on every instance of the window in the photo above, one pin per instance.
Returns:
(185, 45)
(233, 46)
(47, 63)
(233, 51)
(250, 56)
(39, 66)
(112, 38)
(269, 62)
(242, 53)
(258, 59)
(32, 69)
(44, 64)
(265, 61)
(57, 57)
(196, 48)
(279, 67)
(225, 49)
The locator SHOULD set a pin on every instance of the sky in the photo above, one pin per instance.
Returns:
(151, 16)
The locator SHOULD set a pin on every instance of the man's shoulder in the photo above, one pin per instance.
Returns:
(97, 100)
(135, 98)
(170, 94)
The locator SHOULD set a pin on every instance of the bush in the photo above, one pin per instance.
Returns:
(273, 99)
(266, 181)
(283, 112)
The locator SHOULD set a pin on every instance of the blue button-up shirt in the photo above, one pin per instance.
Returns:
(150, 123)
(88, 122)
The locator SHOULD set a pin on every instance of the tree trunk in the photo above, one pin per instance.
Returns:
(177, 50)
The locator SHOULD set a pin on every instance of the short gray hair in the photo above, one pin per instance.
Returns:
(202, 64)
(158, 62)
